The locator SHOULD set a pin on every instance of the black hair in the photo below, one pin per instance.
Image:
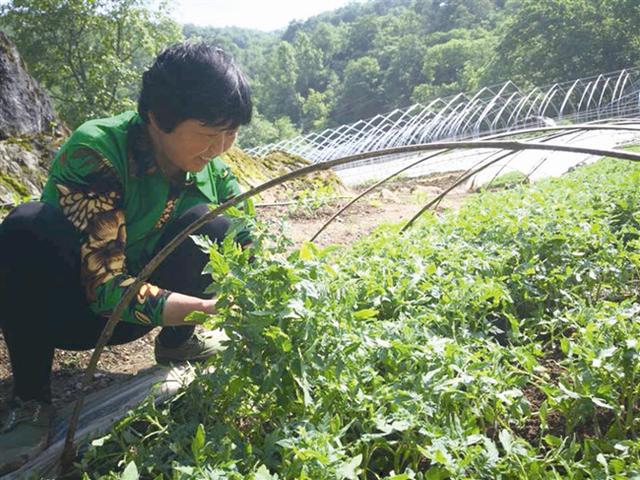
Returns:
(195, 81)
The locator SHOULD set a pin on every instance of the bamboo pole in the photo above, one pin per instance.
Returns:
(370, 189)
(570, 130)
(460, 180)
(547, 138)
(463, 179)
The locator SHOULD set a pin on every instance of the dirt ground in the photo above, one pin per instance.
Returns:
(392, 204)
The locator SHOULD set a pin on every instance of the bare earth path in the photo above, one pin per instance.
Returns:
(393, 204)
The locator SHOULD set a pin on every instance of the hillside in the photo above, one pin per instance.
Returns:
(352, 63)
(371, 57)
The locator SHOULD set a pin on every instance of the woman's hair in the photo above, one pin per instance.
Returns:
(195, 81)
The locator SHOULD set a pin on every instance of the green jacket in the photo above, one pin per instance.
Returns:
(106, 182)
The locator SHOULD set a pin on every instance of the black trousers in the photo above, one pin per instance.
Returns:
(42, 301)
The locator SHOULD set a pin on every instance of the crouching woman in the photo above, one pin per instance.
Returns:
(119, 189)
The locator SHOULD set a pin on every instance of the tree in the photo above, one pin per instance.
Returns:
(263, 132)
(89, 54)
(328, 39)
(545, 41)
(276, 93)
(361, 35)
(404, 70)
(315, 110)
(246, 46)
(311, 70)
(443, 15)
(452, 66)
(212, 36)
(360, 93)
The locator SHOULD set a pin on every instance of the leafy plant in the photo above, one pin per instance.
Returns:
(497, 342)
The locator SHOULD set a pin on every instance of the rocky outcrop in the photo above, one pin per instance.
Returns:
(23, 166)
(30, 131)
(251, 172)
(25, 109)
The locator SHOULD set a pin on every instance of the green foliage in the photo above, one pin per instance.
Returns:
(308, 200)
(361, 35)
(497, 342)
(310, 60)
(402, 71)
(13, 185)
(276, 90)
(89, 54)
(452, 14)
(261, 131)
(354, 62)
(345, 65)
(315, 110)
(248, 47)
(360, 92)
(506, 180)
(452, 66)
(558, 40)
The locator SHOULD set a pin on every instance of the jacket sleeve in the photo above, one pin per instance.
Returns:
(90, 194)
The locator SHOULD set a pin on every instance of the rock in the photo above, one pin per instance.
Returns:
(23, 166)
(30, 131)
(25, 109)
(427, 190)
(388, 195)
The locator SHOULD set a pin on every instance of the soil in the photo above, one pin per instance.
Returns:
(395, 203)
(532, 430)
(392, 204)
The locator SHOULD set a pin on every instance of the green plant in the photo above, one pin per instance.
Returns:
(499, 341)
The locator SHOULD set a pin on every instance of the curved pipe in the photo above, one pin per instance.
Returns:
(494, 123)
(479, 169)
(567, 97)
(487, 109)
(569, 131)
(519, 106)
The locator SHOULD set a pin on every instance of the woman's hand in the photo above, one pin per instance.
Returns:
(179, 306)
(210, 306)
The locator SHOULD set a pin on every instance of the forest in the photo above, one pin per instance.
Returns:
(335, 68)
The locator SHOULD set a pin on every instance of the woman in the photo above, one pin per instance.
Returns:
(119, 189)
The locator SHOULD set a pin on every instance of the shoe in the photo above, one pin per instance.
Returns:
(24, 433)
(197, 348)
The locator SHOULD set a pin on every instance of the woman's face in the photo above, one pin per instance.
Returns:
(191, 145)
